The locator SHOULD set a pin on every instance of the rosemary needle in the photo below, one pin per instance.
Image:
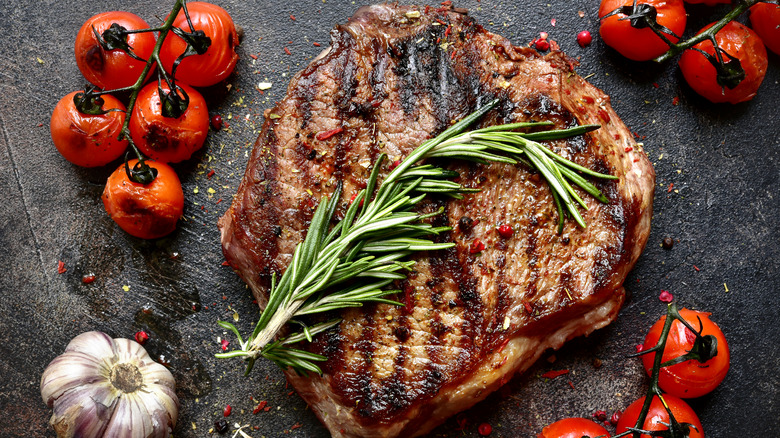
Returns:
(370, 247)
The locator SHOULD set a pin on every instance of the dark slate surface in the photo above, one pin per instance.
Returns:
(722, 211)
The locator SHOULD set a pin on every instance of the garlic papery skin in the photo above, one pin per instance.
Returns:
(103, 387)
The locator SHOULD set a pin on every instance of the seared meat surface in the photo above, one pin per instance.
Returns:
(393, 77)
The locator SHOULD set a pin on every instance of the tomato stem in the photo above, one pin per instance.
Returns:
(675, 49)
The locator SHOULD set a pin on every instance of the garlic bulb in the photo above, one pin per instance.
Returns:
(103, 387)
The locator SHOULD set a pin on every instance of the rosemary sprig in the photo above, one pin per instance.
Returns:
(365, 252)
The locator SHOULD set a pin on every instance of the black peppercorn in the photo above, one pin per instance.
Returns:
(221, 425)
(668, 243)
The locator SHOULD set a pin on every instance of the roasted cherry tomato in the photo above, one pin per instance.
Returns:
(114, 68)
(765, 19)
(168, 139)
(690, 378)
(573, 428)
(85, 139)
(708, 2)
(219, 60)
(148, 211)
(633, 38)
(658, 419)
(727, 85)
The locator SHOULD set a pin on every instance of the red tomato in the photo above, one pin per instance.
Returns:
(738, 41)
(657, 417)
(219, 60)
(573, 428)
(709, 2)
(84, 139)
(110, 69)
(640, 43)
(691, 378)
(765, 19)
(147, 211)
(168, 139)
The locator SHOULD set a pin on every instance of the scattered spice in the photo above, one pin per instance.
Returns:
(210, 174)
(141, 337)
(328, 134)
(554, 373)
(226, 412)
(465, 223)
(287, 51)
(600, 415)
(61, 267)
(639, 348)
(675, 101)
(696, 268)
(260, 407)
(224, 344)
(476, 246)
(88, 278)
(597, 363)
(668, 243)
(221, 425)
(553, 22)
(505, 231)
(613, 420)
(316, 44)
(485, 429)
(669, 189)
(216, 122)
(295, 426)
(541, 44)
(584, 38)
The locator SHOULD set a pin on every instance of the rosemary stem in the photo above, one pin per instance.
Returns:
(278, 320)
(675, 49)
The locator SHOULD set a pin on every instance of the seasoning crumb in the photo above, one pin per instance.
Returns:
(61, 267)
(668, 243)
(126, 288)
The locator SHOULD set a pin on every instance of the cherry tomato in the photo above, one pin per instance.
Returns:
(765, 19)
(709, 2)
(168, 139)
(110, 69)
(657, 417)
(147, 211)
(738, 41)
(573, 428)
(219, 60)
(84, 139)
(691, 378)
(640, 43)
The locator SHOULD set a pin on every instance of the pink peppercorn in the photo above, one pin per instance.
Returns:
(485, 429)
(505, 231)
(584, 38)
(141, 337)
(227, 411)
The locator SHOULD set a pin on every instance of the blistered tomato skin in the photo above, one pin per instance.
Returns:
(740, 42)
(765, 20)
(219, 60)
(111, 69)
(166, 139)
(640, 44)
(88, 140)
(146, 211)
(689, 379)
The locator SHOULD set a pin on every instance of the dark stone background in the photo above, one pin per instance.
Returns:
(722, 212)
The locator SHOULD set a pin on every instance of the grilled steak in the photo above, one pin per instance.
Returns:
(393, 77)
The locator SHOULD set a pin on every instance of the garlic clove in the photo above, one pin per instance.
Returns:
(76, 413)
(94, 343)
(162, 405)
(130, 420)
(70, 370)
